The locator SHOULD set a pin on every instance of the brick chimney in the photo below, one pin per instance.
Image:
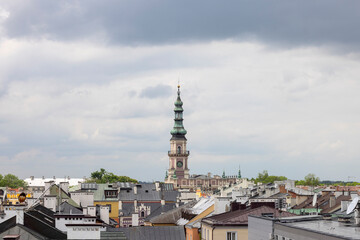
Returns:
(282, 188)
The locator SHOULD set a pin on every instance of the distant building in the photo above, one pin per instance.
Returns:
(179, 172)
(32, 181)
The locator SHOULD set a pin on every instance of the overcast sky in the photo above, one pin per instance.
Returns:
(268, 85)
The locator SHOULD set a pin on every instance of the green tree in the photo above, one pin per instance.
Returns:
(311, 180)
(104, 176)
(98, 175)
(11, 181)
(264, 177)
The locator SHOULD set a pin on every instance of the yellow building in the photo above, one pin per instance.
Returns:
(113, 207)
(234, 225)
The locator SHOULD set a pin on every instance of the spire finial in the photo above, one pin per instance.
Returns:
(179, 81)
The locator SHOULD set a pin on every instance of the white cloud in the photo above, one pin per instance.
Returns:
(80, 105)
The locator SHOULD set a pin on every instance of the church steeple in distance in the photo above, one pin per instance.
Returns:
(178, 131)
(178, 155)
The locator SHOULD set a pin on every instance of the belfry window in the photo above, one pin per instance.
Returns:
(178, 149)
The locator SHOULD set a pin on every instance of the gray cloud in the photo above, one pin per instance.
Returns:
(158, 91)
(158, 22)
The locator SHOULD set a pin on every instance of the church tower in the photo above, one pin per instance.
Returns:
(178, 155)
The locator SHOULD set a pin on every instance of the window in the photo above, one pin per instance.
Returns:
(231, 236)
(142, 214)
(178, 149)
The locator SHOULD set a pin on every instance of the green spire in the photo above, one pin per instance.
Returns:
(174, 176)
(166, 175)
(178, 130)
(223, 176)
(239, 173)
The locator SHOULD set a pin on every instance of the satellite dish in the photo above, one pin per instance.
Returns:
(352, 205)
(314, 200)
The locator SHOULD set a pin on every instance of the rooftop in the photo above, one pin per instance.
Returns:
(330, 228)
(240, 217)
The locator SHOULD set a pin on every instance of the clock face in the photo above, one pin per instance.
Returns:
(179, 164)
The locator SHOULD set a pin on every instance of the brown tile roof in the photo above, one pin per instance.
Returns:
(240, 217)
(320, 201)
(323, 203)
(337, 206)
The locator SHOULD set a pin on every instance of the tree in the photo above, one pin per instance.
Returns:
(103, 176)
(11, 181)
(264, 177)
(311, 180)
(98, 174)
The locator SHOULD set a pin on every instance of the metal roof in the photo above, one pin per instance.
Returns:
(332, 228)
(152, 233)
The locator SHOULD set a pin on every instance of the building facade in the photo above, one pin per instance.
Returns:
(178, 171)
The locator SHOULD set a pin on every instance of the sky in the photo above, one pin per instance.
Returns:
(266, 85)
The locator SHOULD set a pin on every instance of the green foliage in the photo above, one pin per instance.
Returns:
(11, 181)
(352, 184)
(264, 177)
(309, 180)
(104, 176)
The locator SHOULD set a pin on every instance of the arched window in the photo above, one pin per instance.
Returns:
(142, 214)
(179, 150)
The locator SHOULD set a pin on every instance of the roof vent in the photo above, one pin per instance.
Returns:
(344, 219)
(11, 237)
(270, 215)
(327, 216)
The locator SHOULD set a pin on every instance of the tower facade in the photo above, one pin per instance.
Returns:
(178, 154)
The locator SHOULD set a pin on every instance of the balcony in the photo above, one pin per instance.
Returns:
(176, 154)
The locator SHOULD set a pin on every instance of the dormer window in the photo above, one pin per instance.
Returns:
(110, 193)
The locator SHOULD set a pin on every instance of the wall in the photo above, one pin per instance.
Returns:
(114, 207)
(60, 222)
(79, 232)
(11, 211)
(83, 198)
(259, 228)
(50, 202)
(219, 232)
(192, 234)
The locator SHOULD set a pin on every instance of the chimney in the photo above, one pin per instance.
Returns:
(332, 200)
(157, 186)
(135, 204)
(162, 202)
(47, 187)
(32, 177)
(282, 188)
(54, 177)
(104, 214)
(64, 186)
(120, 205)
(135, 189)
